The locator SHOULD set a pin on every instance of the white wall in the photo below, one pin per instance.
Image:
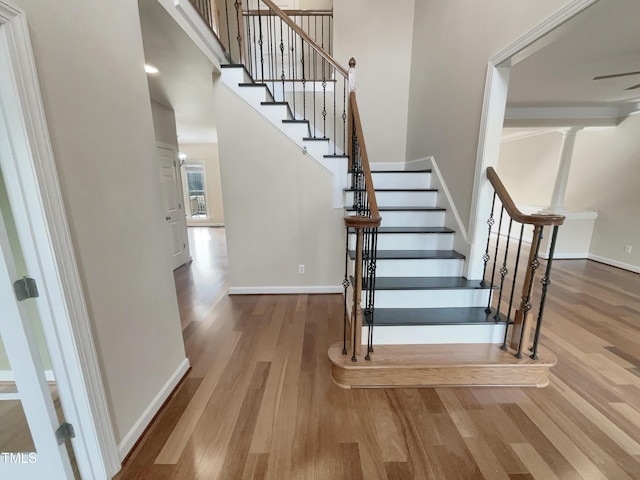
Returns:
(164, 124)
(277, 205)
(207, 154)
(453, 41)
(90, 63)
(378, 34)
(604, 176)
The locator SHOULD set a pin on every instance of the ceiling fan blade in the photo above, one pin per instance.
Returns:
(616, 75)
(634, 87)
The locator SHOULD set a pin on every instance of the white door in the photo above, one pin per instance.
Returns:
(28, 421)
(173, 209)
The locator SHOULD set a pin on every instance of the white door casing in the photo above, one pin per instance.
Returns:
(172, 203)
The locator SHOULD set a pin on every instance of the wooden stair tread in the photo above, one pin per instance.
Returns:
(383, 230)
(393, 366)
(414, 255)
(416, 208)
(434, 316)
(426, 170)
(393, 189)
(450, 355)
(424, 283)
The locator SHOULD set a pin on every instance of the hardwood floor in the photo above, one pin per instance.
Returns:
(259, 402)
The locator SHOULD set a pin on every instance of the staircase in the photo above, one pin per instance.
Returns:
(411, 318)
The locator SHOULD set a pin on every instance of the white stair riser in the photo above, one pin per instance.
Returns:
(234, 76)
(412, 218)
(252, 95)
(434, 334)
(401, 180)
(432, 298)
(419, 268)
(410, 241)
(275, 113)
(390, 199)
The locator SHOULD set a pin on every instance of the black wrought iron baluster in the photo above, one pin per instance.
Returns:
(486, 257)
(526, 303)
(546, 281)
(282, 76)
(345, 284)
(324, 101)
(315, 77)
(304, 84)
(503, 271)
(372, 283)
(495, 259)
(226, 14)
(335, 134)
(236, 4)
(293, 60)
(344, 115)
(513, 289)
(260, 42)
(357, 275)
(249, 62)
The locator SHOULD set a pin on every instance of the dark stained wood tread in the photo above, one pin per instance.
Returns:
(426, 170)
(426, 230)
(295, 121)
(393, 189)
(274, 103)
(425, 283)
(414, 254)
(319, 139)
(440, 365)
(433, 316)
(404, 209)
(253, 84)
(337, 155)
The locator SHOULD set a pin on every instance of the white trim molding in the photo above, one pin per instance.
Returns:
(302, 290)
(492, 118)
(8, 376)
(138, 428)
(614, 263)
(34, 191)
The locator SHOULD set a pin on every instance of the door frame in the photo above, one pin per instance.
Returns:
(492, 118)
(34, 194)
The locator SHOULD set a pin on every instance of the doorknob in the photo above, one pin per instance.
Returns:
(167, 218)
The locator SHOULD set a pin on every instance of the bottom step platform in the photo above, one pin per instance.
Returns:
(440, 365)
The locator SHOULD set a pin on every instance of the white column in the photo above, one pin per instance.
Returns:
(564, 166)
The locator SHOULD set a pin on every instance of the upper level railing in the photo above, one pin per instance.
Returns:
(501, 303)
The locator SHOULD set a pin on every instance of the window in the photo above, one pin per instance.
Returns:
(197, 203)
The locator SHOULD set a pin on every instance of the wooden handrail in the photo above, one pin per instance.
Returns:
(297, 13)
(375, 219)
(296, 28)
(536, 219)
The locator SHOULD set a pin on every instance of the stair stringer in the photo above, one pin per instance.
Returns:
(315, 150)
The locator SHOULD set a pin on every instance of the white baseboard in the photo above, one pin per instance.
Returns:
(285, 290)
(419, 164)
(7, 376)
(614, 263)
(129, 440)
(565, 255)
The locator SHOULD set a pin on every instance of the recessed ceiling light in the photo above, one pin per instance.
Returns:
(150, 68)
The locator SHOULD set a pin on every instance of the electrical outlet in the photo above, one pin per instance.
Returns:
(301, 268)
(628, 248)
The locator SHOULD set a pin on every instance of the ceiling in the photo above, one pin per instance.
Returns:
(602, 40)
(184, 82)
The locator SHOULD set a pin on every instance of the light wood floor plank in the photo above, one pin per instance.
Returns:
(259, 402)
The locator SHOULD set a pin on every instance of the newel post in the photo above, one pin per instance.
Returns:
(352, 74)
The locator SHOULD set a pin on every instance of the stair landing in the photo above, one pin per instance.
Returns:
(440, 365)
